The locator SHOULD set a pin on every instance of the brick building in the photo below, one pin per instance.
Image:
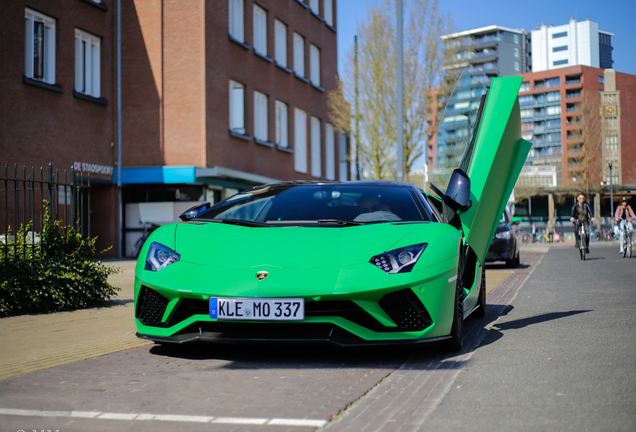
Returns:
(219, 96)
(57, 95)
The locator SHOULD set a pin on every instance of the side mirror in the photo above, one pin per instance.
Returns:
(193, 212)
(458, 191)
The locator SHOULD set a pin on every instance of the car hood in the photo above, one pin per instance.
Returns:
(226, 245)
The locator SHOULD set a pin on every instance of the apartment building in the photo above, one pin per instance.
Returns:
(488, 52)
(220, 96)
(572, 44)
(57, 98)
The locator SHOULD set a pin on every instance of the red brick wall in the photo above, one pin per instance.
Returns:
(37, 125)
(626, 84)
(178, 61)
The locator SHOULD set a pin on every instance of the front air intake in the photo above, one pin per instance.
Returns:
(151, 306)
(406, 310)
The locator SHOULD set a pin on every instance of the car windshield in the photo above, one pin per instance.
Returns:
(322, 204)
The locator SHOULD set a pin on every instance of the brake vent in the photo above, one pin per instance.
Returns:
(151, 306)
(406, 310)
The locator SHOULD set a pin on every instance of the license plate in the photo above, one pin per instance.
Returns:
(258, 309)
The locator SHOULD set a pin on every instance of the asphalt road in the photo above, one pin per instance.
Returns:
(561, 357)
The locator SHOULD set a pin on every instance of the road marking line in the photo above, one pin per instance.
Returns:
(293, 422)
(164, 417)
(239, 420)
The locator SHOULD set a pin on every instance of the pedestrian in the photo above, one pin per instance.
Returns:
(534, 233)
(623, 217)
(550, 229)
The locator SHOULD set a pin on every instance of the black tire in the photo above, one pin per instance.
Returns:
(518, 260)
(454, 344)
(480, 312)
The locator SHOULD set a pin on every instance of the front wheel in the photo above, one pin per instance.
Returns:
(454, 344)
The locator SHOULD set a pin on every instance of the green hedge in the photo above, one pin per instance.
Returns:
(58, 274)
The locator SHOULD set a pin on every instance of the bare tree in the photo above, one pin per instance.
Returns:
(588, 145)
(423, 70)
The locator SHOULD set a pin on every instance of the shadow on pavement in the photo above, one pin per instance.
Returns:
(496, 332)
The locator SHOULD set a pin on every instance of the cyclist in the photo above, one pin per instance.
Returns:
(624, 215)
(581, 214)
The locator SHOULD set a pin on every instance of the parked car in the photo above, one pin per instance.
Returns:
(505, 244)
(348, 263)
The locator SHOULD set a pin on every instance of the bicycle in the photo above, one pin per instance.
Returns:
(582, 238)
(627, 240)
(149, 227)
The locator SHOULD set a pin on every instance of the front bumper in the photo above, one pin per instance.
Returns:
(364, 306)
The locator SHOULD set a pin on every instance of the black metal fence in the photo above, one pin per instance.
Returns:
(28, 194)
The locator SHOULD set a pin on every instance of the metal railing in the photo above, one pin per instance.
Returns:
(29, 195)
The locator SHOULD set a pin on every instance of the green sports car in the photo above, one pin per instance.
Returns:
(350, 263)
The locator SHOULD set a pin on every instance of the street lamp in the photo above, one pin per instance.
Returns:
(611, 192)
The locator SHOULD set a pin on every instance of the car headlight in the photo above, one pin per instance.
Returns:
(504, 235)
(160, 256)
(399, 260)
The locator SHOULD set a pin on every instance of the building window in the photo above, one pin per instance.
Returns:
(39, 61)
(300, 141)
(601, 80)
(559, 35)
(281, 124)
(560, 48)
(330, 152)
(315, 147)
(517, 66)
(280, 39)
(260, 116)
(314, 64)
(314, 5)
(516, 51)
(328, 6)
(524, 87)
(236, 19)
(260, 30)
(87, 64)
(560, 62)
(299, 55)
(515, 39)
(237, 108)
(554, 110)
(553, 96)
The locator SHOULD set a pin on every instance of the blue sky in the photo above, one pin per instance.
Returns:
(614, 16)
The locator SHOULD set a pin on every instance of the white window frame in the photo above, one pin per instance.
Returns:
(281, 124)
(316, 165)
(48, 46)
(280, 41)
(237, 107)
(330, 152)
(300, 140)
(299, 55)
(314, 64)
(314, 5)
(87, 63)
(260, 116)
(328, 11)
(236, 25)
(260, 30)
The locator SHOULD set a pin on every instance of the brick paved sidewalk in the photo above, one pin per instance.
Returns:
(35, 342)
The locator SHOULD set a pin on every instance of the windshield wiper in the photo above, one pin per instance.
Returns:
(339, 222)
(241, 222)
